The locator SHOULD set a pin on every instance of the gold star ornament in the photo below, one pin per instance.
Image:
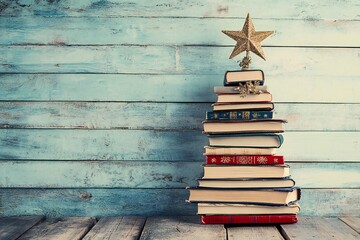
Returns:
(247, 40)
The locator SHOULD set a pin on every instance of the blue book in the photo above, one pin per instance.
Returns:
(238, 115)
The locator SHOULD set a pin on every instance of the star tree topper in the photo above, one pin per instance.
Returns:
(247, 40)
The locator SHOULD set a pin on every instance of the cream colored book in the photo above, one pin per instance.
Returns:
(243, 106)
(246, 183)
(233, 90)
(238, 151)
(235, 98)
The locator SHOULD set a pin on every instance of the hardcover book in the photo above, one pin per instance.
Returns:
(243, 106)
(247, 183)
(247, 140)
(244, 159)
(238, 115)
(249, 219)
(233, 78)
(238, 151)
(233, 89)
(235, 98)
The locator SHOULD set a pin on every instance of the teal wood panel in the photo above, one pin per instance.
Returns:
(282, 62)
(147, 202)
(166, 116)
(58, 144)
(153, 174)
(174, 31)
(328, 9)
(169, 88)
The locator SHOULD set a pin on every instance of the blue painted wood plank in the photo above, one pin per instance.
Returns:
(174, 116)
(177, 60)
(328, 9)
(175, 31)
(149, 202)
(153, 174)
(168, 88)
(57, 144)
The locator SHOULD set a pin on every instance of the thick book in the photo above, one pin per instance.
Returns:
(245, 171)
(233, 89)
(267, 106)
(247, 183)
(247, 140)
(238, 115)
(249, 219)
(245, 209)
(268, 196)
(243, 126)
(236, 98)
(233, 78)
(244, 159)
(238, 151)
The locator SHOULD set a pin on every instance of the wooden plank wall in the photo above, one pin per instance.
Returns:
(101, 102)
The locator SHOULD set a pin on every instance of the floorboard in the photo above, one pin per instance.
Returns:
(253, 232)
(353, 222)
(13, 227)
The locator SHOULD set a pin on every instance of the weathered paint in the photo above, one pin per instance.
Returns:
(153, 174)
(304, 9)
(165, 116)
(174, 31)
(147, 202)
(117, 144)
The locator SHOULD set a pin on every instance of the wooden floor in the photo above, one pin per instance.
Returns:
(110, 228)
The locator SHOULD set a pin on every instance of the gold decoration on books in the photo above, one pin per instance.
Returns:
(251, 87)
(247, 40)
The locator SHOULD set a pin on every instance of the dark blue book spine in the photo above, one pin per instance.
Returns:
(238, 115)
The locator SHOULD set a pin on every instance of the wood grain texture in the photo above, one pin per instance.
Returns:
(176, 60)
(60, 229)
(169, 88)
(113, 228)
(175, 31)
(226, 8)
(57, 144)
(150, 202)
(319, 228)
(13, 227)
(176, 228)
(253, 232)
(152, 174)
(353, 222)
(174, 116)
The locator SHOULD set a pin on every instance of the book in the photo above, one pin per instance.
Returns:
(244, 159)
(243, 106)
(238, 151)
(273, 196)
(233, 78)
(259, 140)
(245, 209)
(243, 126)
(245, 171)
(235, 98)
(238, 115)
(247, 183)
(249, 219)
(232, 89)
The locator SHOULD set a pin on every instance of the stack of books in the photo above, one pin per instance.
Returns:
(245, 181)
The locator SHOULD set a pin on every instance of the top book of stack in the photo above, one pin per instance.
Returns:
(233, 78)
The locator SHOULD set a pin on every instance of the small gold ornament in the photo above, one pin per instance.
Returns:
(247, 40)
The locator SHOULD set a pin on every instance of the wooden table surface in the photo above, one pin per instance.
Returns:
(175, 227)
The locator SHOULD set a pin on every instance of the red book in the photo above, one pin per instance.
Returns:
(249, 219)
(244, 159)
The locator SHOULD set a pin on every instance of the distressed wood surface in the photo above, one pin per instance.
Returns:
(308, 63)
(175, 31)
(174, 116)
(57, 144)
(318, 228)
(226, 8)
(57, 229)
(150, 202)
(13, 227)
(353, 222)
(168, 88)
(141, 174)
(253, 232)
(113, 228)
(176, 228)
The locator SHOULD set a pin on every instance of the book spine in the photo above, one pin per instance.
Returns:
(244, 159)
(238, 115)
(249, 219)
